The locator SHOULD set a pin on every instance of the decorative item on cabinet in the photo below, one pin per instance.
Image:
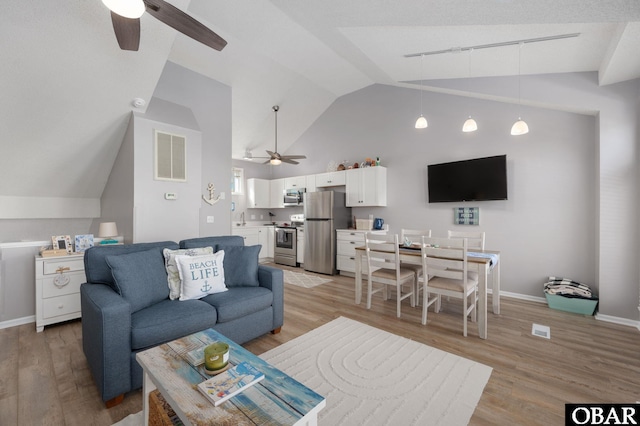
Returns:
(83, 242)
(62, 242)
(108, 231)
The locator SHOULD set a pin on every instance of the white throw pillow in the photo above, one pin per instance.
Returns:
(201, 275)
(173, 275)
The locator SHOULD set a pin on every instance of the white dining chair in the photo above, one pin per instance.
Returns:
(444, 261)
(475, 238)
(383, 267)
(415, 237)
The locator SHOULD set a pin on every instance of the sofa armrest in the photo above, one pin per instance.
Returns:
(273, 279)
(106, 338)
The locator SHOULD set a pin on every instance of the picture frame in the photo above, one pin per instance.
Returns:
(83, 242)
(62, 242)
(466, 216)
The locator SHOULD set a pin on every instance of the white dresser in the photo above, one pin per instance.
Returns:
(58, 282)
(347, 240)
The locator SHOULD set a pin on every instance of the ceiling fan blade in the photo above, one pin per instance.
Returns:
(294, 157)
(288, 160)
(178, 20)
(127, 31)
(271, 153)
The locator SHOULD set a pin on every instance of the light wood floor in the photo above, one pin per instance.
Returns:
(44, 378)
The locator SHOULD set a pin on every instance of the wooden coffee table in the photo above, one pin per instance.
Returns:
(276, 400)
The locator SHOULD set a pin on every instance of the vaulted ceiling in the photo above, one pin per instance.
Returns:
(66, 88)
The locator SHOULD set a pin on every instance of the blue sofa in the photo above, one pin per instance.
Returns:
(126, 307)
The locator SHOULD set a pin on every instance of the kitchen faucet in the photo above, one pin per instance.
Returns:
(242, 217)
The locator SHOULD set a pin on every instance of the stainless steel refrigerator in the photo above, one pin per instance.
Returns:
(324, 212)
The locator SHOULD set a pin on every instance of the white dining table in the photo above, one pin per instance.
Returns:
(483, 265)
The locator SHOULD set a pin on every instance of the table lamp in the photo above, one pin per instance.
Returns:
(108, 231)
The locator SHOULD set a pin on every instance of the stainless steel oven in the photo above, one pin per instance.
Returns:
(285, 252)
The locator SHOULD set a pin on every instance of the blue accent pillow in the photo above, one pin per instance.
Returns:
(140, 277)
(241, 265)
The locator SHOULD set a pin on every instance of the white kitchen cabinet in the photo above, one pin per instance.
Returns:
(258, 193)
(366, 187)
(277, 193)
(58, 282)
(271, 239)
(300, 245)
(330, 179)
(310, 184)
(296, 182)
(254, 235)
(347, 240)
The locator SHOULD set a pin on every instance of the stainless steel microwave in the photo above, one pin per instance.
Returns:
(293, 197)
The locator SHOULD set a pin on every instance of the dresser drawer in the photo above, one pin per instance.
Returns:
(62, 305)
(52, 266)
(61, 284)
(348, 248)
(350, 236)
(348, 263)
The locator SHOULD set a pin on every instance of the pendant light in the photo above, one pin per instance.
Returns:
(519, 127)
(470, 124)
(421, 122)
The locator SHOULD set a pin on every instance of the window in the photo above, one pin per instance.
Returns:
(170, 157)
(236, 180)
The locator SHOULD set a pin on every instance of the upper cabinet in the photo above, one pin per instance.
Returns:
(277, 193)
(330, 179)
(311, 183)
(258, 193)
(296, 182)
(366, 187)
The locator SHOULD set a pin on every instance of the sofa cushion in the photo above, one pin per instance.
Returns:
(241, 265)
(228, 240)
(95, 266)
(201, 275)
(239, 301)
(169, 320)
(140, 277)
(173, 275)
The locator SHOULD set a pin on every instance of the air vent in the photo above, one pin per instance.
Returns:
(170, 157)
(541, 331)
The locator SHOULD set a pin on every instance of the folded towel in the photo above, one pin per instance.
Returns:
(568, 288)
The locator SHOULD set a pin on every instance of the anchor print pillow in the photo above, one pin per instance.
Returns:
(201, 275)
(173, 276)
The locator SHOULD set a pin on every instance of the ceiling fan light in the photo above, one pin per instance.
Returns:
(470, 125)
(421, 122)
(275, 161)
(132, 9)
(519, 128)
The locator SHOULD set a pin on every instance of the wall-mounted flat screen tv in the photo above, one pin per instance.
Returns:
(479, 179)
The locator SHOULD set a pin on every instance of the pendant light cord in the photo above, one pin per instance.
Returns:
(421, 76)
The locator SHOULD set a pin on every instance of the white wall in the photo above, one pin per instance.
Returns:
(154, 217)
(573, 180)
(210, 102)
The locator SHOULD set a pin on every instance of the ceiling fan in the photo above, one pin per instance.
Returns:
(274, 156)
(125, 16)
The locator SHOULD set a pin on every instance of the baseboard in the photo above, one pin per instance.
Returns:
(598, 316)
(17, 322)
(618, 320)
